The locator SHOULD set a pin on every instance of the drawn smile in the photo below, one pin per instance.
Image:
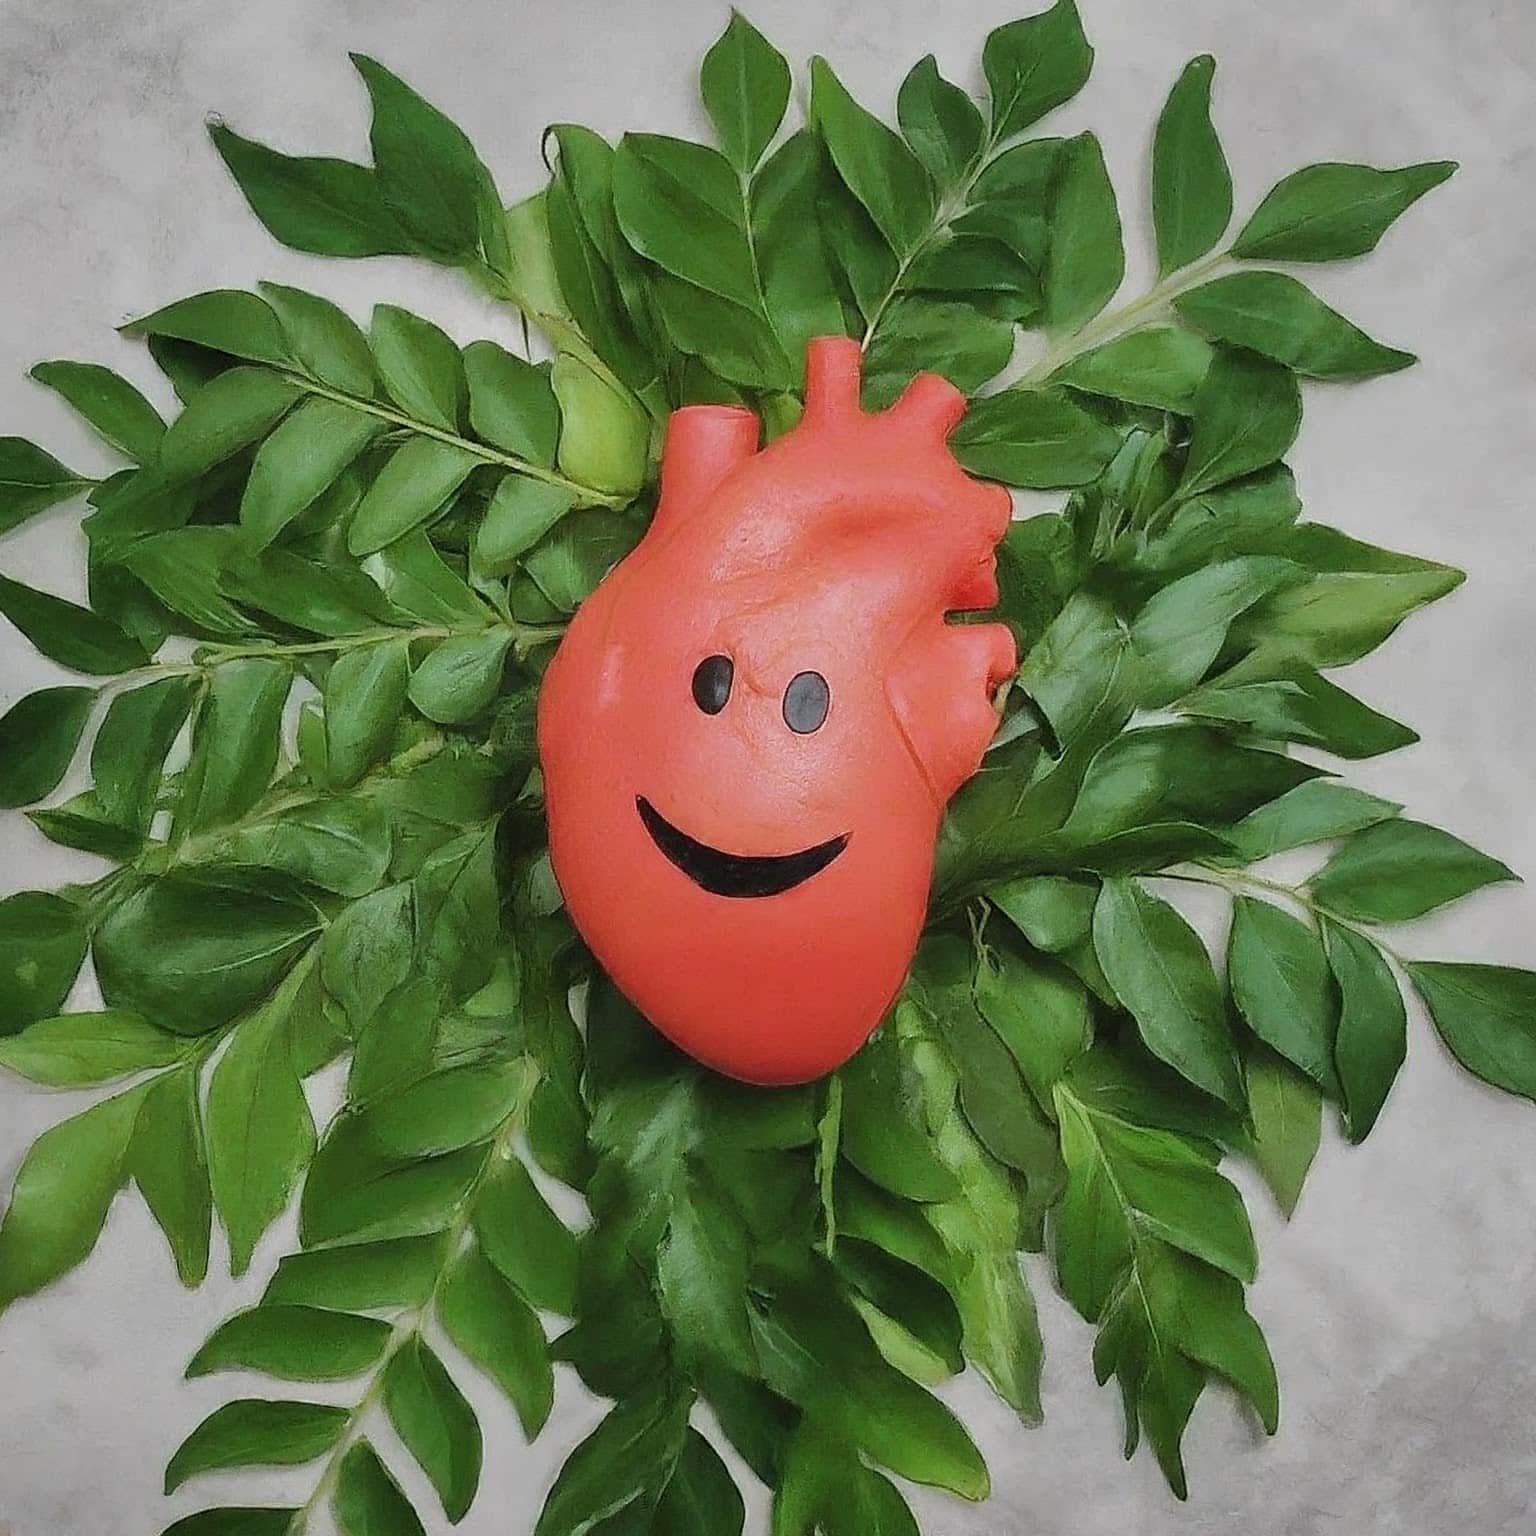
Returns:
(735, 874)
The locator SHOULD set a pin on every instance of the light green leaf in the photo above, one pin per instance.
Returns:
(1486, 1014)
(1159, 969)
(1075, 664)
(72, 636)
(1040, 1011)
(438, 1426)
(256, 1432)
(118, 412)
(1035, 65)
(1032, 437)
(324, 338)
(1085, 260)
(410, 489)
(1331, 211)
(38, 738)
(512, 403)
(518, 515)
(1287, 1114)
(1191, 185)
(525, 1240)
(498, 1330)
(1371, 1041)
(184, 568)
(359, 1276)
(924, 335)
(65, 1184)
(42, 945)
(605, 437)
(76, 1050)
(885, 176)
(168, 1160)
(1401, 869)
(744, 81)
(1159, 365)
(1275, 315)
(420, 366)
(1247, 414)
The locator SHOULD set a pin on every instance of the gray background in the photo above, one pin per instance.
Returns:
(1399, 1301)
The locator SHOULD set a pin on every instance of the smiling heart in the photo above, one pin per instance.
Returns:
(750, 730)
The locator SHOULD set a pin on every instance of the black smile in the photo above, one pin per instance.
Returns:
(735, 874)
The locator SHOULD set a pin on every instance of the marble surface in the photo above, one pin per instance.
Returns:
(1399, 1301)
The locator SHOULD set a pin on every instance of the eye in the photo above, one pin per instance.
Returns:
(806, 702)
(712, 683)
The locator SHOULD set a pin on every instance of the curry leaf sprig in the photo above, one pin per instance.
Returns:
(320, 600)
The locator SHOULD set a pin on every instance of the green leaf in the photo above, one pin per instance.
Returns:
(257, 1432)
(72, 636)
(1086, 257)
(578, 552)
(223, 320)
(118, 412)
(294, 1343)
(885, 176)
(300, 460)
(1485, 1014)
(702, 1273)
(235, 743)
(460, 676)
(420, 366)
(884, 1134)
(1371, 1041)
(1311, 813)
(260, 1134)
(1039, 1010)
(1275, 315)
(744, 81)
(231, 411)
(941, 123)
(324, 206)
(1191, 185)
(191, 955)
(525, 1240)
(31, 481)
(169, 1162)
(922, 335)
(184, 568)
(605, 436)
(332, 598)
(1160, 365)
(1180, 630)
(1031, 437)
(1287, 1114)
(498, 1330)
(79, 823)
(367, 951)
(359, 1276)
(38, 737)
(76, 1050)
(1401, 869)
(324, 338)
(337, 845)
(518, 515)
(681, 205)
(63, 1188)
(701, 1497)
(1330, 211)
(411, 488)
(1160, 971)
(368, 1501)
(1247, 414)
(512, 404)
(1075, 665)
(1282, 986)
(438, 1426)
(42, 945)
(364, 692)
(452, 1107)
(233, 1522)
(1034, 65)
(130, 749)
(382, 1200)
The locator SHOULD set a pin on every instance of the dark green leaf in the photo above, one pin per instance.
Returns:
(224, 320)
(231, 411)
(1371, 1041)
(233, 1522)
(941, 123)
(31, 481)
(169, 1162)
(118, 412)
(1287, 1114)
(744, 81)
(1281, 984)
(1247, 414)
(1161, 972)
(420, 366)
(63, 1189)
(1159, 365)
(525, 1240)
(380, 1200)
(438, 1426)
(511, 403)
(498, 1330)
(339, 845)
(368, 1501)
(1035, 65)
(1086, 257)
(38, 737)
(257, 1432)
(1330, 211)
(884, 1136)
(294, 1343)
(359, 1276)
(922, 335)
(325, 339)
(367, 951)
(235, 743)
(1486, 1014)
(701, 1498)
(42, 944)
(1032, 437)
(324, 206)
(191, 955)
(1310, 813)
(1191, 185)
(518, 515)
(130, 748)
(1040, 1011)
(72, 636)
(1400, 869)
(460, 676)
(1273, 314)
(184, 569)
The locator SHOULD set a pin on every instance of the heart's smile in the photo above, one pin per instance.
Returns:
(735, 874)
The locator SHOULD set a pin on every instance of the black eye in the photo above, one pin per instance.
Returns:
(712, 683)
(806, 701)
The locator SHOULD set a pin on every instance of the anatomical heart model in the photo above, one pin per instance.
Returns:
(783, 712)
(728, 865)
